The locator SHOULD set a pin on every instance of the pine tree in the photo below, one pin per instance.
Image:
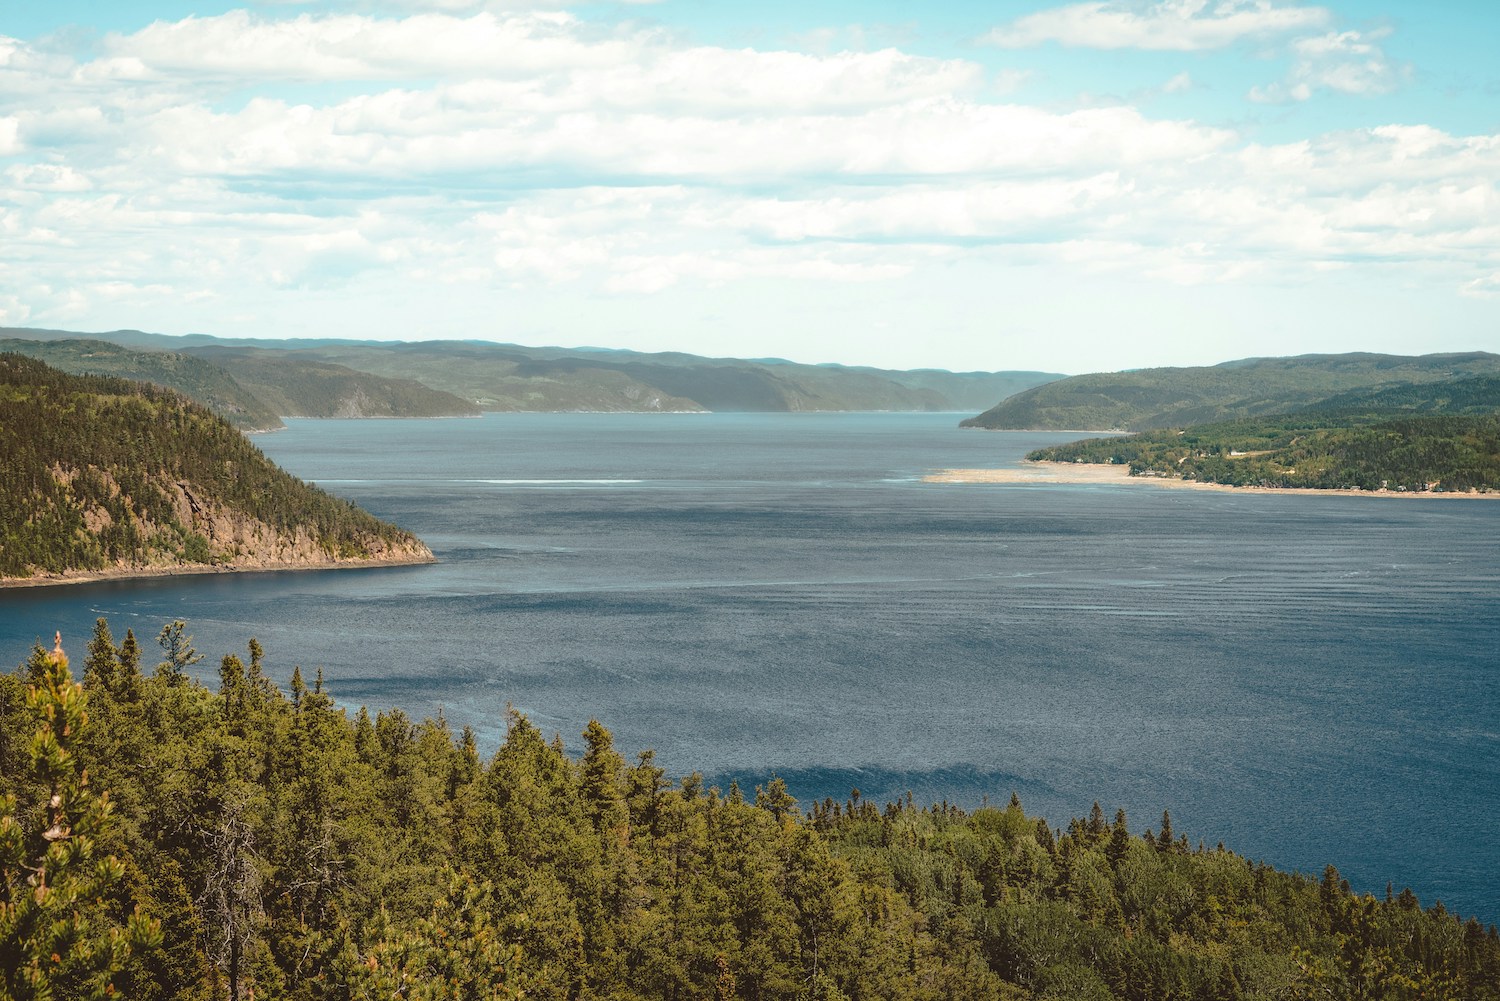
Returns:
(55, 933)
(1164, 842)
(1118, 845)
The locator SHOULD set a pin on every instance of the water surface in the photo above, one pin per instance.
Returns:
(1308, 679)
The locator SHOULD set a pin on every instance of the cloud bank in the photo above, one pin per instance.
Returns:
(247, 154)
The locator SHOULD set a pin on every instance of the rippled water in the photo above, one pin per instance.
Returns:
(1308, 679)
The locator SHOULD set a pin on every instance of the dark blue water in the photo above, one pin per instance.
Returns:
(1308, 679)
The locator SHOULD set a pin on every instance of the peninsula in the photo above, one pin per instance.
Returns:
(103, 477)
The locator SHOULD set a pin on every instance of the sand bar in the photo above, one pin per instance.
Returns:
(1084, 472)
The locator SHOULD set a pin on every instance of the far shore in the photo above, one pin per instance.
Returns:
(145, 573)
(1086, 472)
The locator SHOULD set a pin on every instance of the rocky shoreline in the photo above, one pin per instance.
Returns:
(188, 569)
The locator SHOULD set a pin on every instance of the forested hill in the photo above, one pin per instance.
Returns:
(297, 386)
(1319, 450)
(191, 376)
(509, 377)
(253, 393)
(1152, 398)
(102, 475)
(264, 844)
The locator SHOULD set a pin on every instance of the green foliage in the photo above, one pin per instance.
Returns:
(57, 935)
(97, 472)
(292, 851)
(193, 377)
(504, 377)
(298, 386)
(1315, 449)
(1156, 398)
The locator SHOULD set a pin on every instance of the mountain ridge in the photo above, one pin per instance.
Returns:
(511, 377)
(1155, 398)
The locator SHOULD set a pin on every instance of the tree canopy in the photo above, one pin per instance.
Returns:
(276, 842)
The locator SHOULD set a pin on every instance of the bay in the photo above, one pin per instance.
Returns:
(1311, 680)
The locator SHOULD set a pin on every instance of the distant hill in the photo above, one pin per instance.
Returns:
(1478, 394)
(506, 377)
(298, 386)
(251, 388)
(193, 377)
(1403, 452)
(103, 476)
(1178, 397)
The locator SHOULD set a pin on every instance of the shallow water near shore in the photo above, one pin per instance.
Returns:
(1308, 679)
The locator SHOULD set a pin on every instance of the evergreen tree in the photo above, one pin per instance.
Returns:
(57, 936)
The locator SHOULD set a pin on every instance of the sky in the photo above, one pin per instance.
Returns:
(967, 185)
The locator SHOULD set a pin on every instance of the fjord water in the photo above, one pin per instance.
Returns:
(1309, 679)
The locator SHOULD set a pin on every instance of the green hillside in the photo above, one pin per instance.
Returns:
(1151, 398)
(191, 376)
(297, 386)
(268, 844)
(1478, 394)
(1320, 450)
(508, 377)
(101, 474)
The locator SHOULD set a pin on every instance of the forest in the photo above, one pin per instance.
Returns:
(164, 838)
(1158, 398)
(1317, 449)
(99, 472)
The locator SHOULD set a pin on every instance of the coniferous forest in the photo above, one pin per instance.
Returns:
(99, 473)
(1319, 450)
(160, 838)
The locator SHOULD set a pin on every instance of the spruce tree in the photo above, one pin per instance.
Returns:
(56, 935)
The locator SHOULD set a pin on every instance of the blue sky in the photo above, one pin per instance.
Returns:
(1072, 187)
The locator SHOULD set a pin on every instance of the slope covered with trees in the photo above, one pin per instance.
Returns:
(268, 841)
(1155, 398)
(509, 377)
(297, 386)
(1315, 450)
(187, 374)
(101, 474)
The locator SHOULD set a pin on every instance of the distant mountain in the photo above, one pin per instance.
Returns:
(102, 476)
(298, 386)
(1177, 397)
(508, 377)
(511, 377)
(251, 388)
(193, 377)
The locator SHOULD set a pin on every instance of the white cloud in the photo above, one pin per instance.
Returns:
(545, 152)
(47, 177)
(1169, 25)
(10, 132)
(1179, 84)
(1348, 62)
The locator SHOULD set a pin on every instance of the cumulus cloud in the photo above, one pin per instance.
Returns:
(512, 150)
(1169, 25)
(1349, 62)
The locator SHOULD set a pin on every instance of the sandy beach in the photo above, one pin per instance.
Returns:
(1080, 472)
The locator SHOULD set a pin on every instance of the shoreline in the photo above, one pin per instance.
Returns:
(145, 573)
(1077, 473)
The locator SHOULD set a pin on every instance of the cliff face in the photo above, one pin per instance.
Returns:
(101, 477)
